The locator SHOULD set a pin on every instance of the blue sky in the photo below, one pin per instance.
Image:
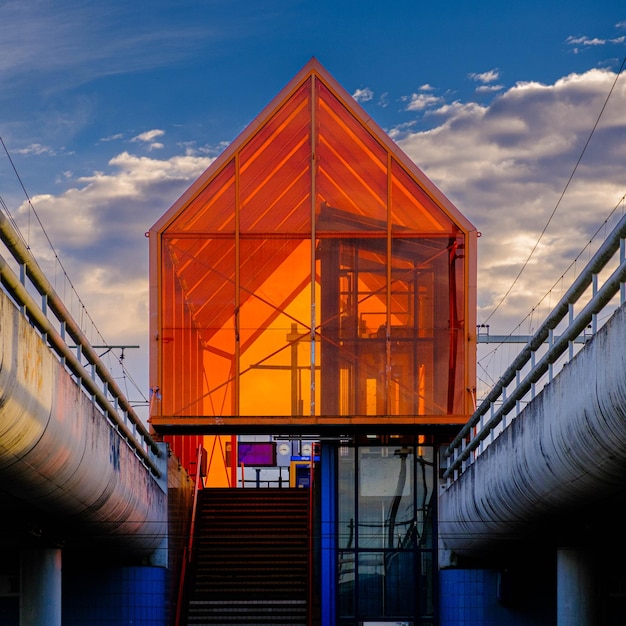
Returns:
(110, 110)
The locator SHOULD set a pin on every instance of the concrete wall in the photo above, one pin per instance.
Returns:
(64, 471)
(563, 455)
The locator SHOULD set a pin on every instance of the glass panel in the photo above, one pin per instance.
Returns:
(426, 584)
(274, 327)
(214, 206)
(346, 579)
(412, 207)
(386, 497)
(383, 581)
(346, 485)
(425, 492)
(394, 538)
(353, 326)
(193, 329)
(275, 174)
(351, 164)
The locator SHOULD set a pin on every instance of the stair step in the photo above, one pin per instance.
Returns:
(251, 563)
(283, 612)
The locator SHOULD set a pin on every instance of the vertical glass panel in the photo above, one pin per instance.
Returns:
(412, 207)
(346, 511)
(384, 578)
(392, 546)
(425, 497)
(346, 582)
(386, 497)
(274, 170)
(274, 326)
(214, 206)
(354, 288)
(197, 337)
(426, 583)
(346, 529)
(351, 164)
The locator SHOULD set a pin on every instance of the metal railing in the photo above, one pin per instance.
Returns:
(491, 414)
(188, 553)
(67, 341)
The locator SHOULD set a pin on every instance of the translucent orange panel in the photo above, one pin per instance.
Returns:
(272, 322)
(198, 305)
(275, 174)
(425, 343)
(312, 273)
(412, 207)
(351, 164)
(214, 207)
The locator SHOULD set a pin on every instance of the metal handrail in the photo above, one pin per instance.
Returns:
(109, 397)
(474, 432)
(188, 549)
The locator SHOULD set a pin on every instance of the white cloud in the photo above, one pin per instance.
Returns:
(594, 41)
(148, 138)
(363, 95)
(505, 166)
(36, 149)
(98, 226)
(112, 138)
(489, 88)
(485, 77)
(149, 135)
(421, 101)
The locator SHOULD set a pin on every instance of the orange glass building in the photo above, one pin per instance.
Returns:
(312, 279)
(314, 283)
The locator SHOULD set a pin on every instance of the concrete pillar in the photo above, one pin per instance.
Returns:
(576, 590)
(40, 587)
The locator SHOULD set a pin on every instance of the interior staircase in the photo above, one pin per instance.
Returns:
(251, 558)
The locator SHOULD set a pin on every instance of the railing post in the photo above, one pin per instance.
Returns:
(622, 258)
(550, 344)
(570, 344)
(594, 317)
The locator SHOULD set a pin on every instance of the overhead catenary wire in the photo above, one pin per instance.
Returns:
(558, 203)
(573, 263)
(83, 309)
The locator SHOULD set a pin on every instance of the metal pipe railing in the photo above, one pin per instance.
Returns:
(108, 396)
(473, 432)
(188, 549)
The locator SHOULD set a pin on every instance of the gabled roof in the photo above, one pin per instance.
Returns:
(311, 164)
(277, 152)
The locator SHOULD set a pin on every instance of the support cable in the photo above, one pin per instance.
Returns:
(545, 228)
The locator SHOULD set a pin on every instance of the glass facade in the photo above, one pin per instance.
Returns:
(385, 528)
(314, 281)
(312, 272)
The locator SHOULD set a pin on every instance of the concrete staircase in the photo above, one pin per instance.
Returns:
(251, 564)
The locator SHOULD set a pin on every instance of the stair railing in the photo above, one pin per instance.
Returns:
(188, 549)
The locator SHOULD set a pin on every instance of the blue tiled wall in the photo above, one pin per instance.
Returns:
(470, 597)
(115, 597)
